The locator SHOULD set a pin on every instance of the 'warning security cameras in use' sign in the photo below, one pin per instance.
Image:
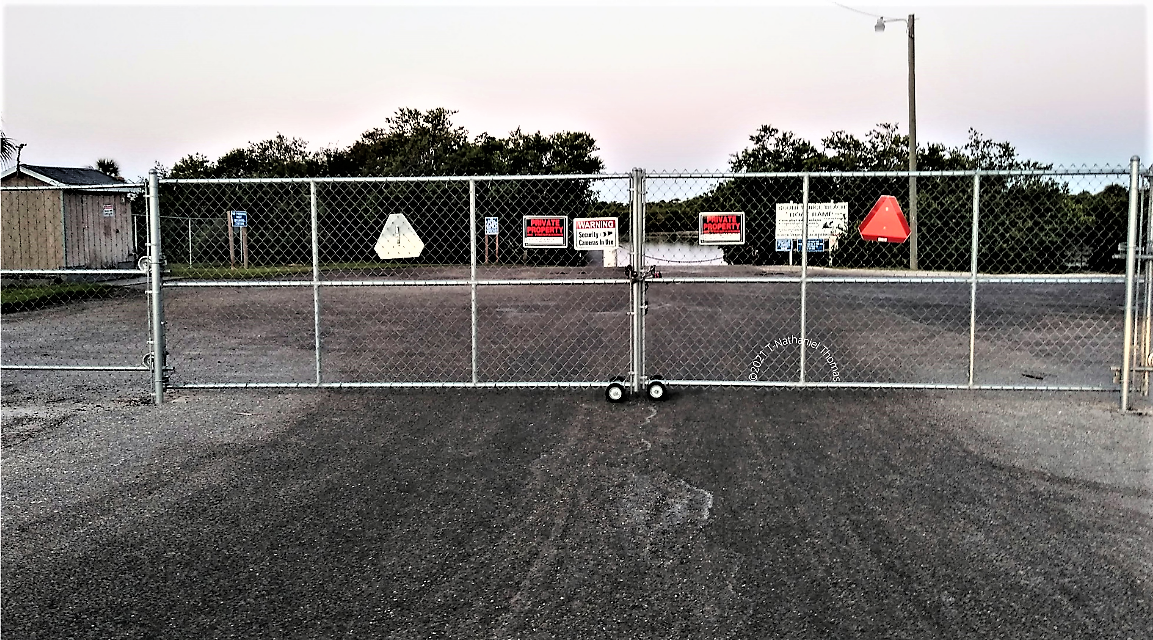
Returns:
(595, 234)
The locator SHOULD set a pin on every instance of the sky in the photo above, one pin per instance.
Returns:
(663, 86)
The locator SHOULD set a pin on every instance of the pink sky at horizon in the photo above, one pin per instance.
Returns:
(658, 87)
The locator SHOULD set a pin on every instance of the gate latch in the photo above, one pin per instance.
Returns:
(648, 273)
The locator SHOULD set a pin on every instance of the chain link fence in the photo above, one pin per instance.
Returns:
(1141, 278)
(1015, 280)
(1008, 280)
(385, 282)
(72, 253)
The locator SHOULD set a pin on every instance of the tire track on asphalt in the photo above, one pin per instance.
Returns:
(836, 572)
(570, 502)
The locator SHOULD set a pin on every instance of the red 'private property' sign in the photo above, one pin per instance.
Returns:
(721, 228)
(545, 232)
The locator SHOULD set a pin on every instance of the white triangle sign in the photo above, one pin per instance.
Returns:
(398, 239)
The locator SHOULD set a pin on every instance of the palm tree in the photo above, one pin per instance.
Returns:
(108, 167)
(8, 148)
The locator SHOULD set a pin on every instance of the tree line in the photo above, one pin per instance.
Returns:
(1028, 223)
(413, 143)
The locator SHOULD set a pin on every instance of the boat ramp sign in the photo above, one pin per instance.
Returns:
(595, 233)
(827, 220)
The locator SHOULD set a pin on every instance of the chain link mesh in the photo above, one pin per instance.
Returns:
(393, 280)
(732, 312)
(1142, 338)
(71, 253)
(429, 281)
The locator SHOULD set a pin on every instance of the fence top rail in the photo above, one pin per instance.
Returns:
(570, 176)
(128, 187)
(1082, 171)
(714, 175)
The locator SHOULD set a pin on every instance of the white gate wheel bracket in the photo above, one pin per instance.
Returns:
(657, 390)
(616, 391)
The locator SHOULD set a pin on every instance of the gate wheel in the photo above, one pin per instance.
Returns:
(615, 392)
(657, 390)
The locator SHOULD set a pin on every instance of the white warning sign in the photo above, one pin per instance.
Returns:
(826, 220)
(595, 233)
(398, 239)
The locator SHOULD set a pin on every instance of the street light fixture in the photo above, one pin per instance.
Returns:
(880, 28)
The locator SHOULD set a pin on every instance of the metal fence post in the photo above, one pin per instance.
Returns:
(638, 290)
(804, 269)
(1130, 277)
(973, 277)
(155, 256)
(315, 278)
(472, 276)
(1147, 338)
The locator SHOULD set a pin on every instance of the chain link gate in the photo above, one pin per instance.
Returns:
(1139, 307)
(81, 244)
(300, 296)
(1020, 283)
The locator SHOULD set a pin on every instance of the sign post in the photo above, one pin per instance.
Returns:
(491, 228)
(238, 219)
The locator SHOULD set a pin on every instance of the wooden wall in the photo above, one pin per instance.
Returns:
(31, 229)
(96, 241)
(54, 229)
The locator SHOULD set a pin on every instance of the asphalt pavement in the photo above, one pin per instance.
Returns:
(553, 514)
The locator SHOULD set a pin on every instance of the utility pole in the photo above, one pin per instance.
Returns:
(880, 28)
(912, 145)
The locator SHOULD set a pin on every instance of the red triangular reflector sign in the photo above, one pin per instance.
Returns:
(885, 223)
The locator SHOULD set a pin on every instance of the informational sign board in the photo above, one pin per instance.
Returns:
(398, 239)
(595, 234)
(237, 219)
(109, 211)
(827, 220)
(492, 226)
(721, 227)
(816, 245)
(885, 222)
(545, 232)
(784, 244)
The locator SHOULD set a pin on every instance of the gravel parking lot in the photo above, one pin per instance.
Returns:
(544, 513)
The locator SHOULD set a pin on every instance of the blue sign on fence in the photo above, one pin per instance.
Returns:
(816, 245)
(240, 218)
(784, 244)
